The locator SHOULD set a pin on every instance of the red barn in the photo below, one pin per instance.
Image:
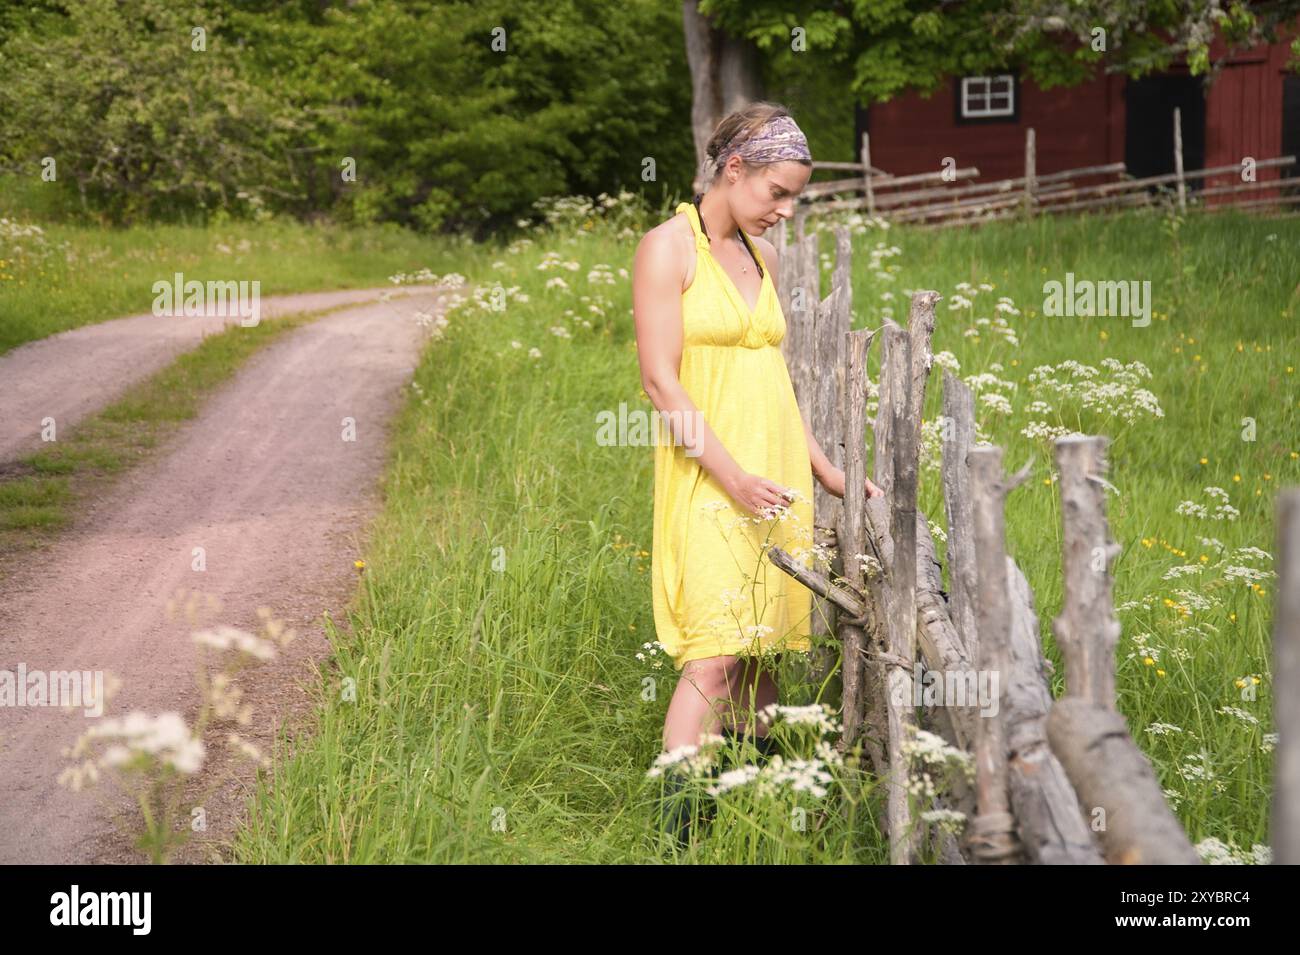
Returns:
(1251, 109)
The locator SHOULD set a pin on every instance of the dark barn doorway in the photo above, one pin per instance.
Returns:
(1291, 124)
(1149, 125)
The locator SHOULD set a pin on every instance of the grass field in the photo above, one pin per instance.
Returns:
(59, 276)
(487, 702)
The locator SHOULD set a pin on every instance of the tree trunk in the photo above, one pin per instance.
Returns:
(724, 77)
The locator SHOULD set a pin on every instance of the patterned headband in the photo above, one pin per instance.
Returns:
(779, 139)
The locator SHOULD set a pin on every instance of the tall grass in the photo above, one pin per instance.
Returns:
(55, 277)
(486, 703)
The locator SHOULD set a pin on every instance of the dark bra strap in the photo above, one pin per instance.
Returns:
(739, 234)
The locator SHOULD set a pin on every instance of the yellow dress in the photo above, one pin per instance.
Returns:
(715, 590)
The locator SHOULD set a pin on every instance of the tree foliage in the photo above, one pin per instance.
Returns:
(452, 114)
(135, 117)
(888, 46)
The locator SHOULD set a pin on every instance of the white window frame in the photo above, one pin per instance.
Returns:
(972, 110)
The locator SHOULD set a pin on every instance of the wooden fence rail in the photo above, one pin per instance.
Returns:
(936, 200)
(1058, 781)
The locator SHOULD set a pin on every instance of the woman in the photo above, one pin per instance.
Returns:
(709, 327)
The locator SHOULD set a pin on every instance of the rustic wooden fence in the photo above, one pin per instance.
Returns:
(955, 197)
(1058, 780)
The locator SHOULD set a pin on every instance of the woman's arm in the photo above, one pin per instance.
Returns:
(821, 465)
(657, 312)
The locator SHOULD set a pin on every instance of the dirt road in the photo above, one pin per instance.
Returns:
(265, 483)
(74, 373)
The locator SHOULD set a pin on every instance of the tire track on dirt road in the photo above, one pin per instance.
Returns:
(264, 481)
(75, 373)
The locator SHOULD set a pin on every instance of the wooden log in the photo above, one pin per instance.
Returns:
(848, 166)
(815, 190)
(1129, 185)
(800, 309)
(1082, 172)
(1056, 181)
(1049, 825)
(830, 324)
(957, 433)
(1118, 791)
(1086, 629)
(1051, 829)
(1285, 826)
(1117, 788)
(848, 600)
(893, 182)
(992, 838)
(878, 183)
(1141, 198)
(936, 637)
(976, 205)
(1129, 192)
(920, 332)
(867, 188)
(853, 528)
(1178, 159)
(842, 276)
(900, 589)
(1031, 161)
(1281, 185)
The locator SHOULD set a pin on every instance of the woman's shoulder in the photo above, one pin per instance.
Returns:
(669, 246)
(674, 230)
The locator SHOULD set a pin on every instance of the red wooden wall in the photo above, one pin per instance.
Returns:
(1074, 126)
(1081, 125)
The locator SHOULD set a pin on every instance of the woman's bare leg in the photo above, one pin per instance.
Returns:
(753, 688)
(714, 692)
(701, 702)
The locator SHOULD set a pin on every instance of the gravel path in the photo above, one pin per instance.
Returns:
(265, 483)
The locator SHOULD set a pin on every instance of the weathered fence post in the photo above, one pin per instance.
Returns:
(852, 534)
(1286, 681)
(900, 463)
(1049, 825)
(992, 836)
(867, 173)
(830, 323)
(1178, 159)
(1117, 787)
(1031, 168)
(800, 297)
(957, 434)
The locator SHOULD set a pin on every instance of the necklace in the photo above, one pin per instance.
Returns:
(740, 235)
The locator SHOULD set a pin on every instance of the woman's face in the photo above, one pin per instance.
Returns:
(761, 199)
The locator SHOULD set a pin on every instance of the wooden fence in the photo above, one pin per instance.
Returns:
(1058, 780)
(955, 197)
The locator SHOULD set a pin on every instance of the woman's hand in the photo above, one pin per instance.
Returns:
(755, 493)
(834, 483)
